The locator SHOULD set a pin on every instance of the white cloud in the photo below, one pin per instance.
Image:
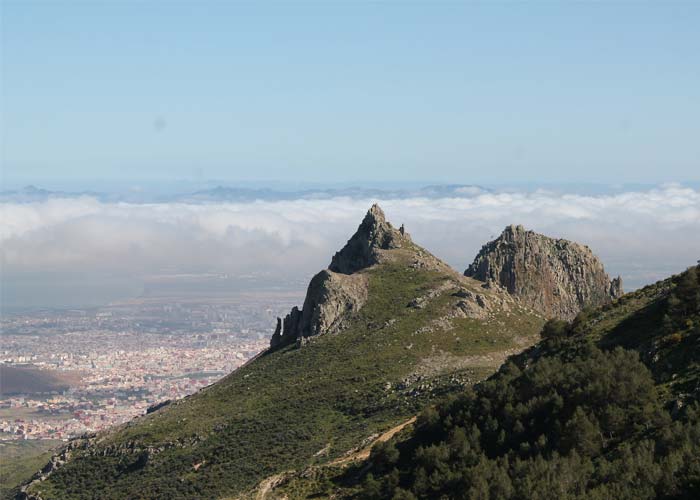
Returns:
(641, 235)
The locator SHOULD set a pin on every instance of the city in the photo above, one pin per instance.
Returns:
(111, 364)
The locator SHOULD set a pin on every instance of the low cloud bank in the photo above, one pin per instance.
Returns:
(641, 235)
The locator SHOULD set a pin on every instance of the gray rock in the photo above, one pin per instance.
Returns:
(363, 248)
(463, 293)
(276, 339)
(471, 309)
(556, 277)
(331, 300)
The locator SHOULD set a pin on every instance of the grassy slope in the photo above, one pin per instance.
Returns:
(20, 459)
(282, 409)
(635, 321)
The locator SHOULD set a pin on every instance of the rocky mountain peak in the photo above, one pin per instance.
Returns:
(335, 294)
(556, 277)
(511, 232)
(374, 216)
(364, 248)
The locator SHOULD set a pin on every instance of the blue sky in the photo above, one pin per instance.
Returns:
(329, 93)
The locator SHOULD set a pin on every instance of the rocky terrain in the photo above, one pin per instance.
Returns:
(335, 294)
(385, 330)
(556, 277)
(331, 299)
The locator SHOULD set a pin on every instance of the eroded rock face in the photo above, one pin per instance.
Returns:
(331, 299)
(364, 248)
(553, 276)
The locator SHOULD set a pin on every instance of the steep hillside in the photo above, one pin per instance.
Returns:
(662, 323)
(553, 276)
(20, 459)
(606, 406)
(383, 332)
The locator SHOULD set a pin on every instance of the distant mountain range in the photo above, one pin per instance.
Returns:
(245, 194)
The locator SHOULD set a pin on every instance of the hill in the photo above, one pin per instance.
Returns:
(23, 380)
(384, 331)
(606, 406)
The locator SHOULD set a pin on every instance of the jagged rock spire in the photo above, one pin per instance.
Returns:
(361, 250)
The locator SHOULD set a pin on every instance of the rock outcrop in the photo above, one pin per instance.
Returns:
(336, 293)
(555, 277)
(365, 247)
(331, 299)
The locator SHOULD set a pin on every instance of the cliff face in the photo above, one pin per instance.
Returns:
(338, 292)
(553, 276)
(331, 300)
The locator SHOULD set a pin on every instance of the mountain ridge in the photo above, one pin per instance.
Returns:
(383, 331)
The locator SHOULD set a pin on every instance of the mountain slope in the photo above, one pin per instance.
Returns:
(606, 406)
(384, 331)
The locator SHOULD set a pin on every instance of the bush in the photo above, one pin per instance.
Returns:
(576, 422)
(673, 339)
(555, 329)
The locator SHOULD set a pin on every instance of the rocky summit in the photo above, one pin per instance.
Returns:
(365, 247)
(336, 293)
(556, 277)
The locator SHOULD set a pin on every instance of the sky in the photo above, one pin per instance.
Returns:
(349, 92)
(579, 120)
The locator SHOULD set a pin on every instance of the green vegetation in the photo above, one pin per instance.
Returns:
(576, 423)
(296, 407)
(19, 460)
(578, 416)
(662, 323)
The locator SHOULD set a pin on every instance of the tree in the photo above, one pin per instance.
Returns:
(685, 299)
(401, 494)
(555, 329)
(371, 488)
(582, 434)
(384, 456)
